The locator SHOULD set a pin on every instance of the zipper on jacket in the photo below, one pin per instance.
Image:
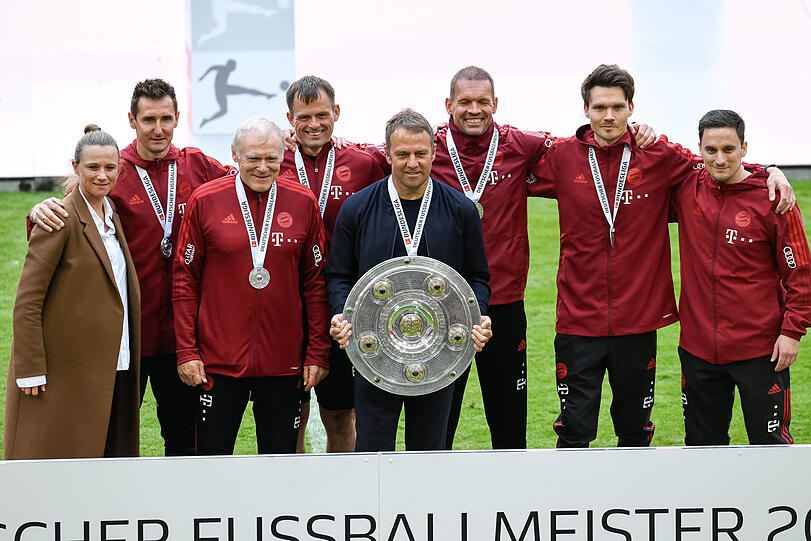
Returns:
(255, 360)
(608, 253)
(608, 275)
(714, 294)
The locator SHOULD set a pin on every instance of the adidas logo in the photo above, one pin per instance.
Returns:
(136, 200)
(229, 219)
(580, 179)
(652, 364)
(697, 210)
(522, 346)
(775, 389)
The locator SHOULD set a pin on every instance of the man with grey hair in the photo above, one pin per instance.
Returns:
(248, 271)
(441, 224)
(150, 197)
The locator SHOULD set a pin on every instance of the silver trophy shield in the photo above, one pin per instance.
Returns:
(411, 321)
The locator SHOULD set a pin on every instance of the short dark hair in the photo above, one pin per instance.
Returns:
(410, 120)
(471, 73)
(608, 75)
(308, 89)
(722, 118)
(153, 89)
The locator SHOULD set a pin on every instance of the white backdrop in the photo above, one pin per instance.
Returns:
(69, 63)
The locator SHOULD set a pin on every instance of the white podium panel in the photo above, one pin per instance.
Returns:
(203, 499)
(659, 494)
(662, 494)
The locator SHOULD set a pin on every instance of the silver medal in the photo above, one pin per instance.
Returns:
(259, 277)
(166, 248)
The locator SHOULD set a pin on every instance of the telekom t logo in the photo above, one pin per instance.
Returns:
(336, 192)
(493, 177)
(627, 196)
(277, 237)
(731, 235)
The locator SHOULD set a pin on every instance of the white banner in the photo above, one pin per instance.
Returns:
(659, 494)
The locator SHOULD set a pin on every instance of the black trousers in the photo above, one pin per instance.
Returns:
(336, 392)
(377, 414)
(176, 403)
(708, 392)
(276, 411)
(502, 370)
(122, 441)
(581, 363)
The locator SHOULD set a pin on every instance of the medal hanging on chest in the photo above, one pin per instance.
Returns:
(473, 194)
(610, 217)
(259, 277)
(412, 243)
(167, 218)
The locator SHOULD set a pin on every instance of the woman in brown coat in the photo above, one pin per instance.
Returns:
(72, 387)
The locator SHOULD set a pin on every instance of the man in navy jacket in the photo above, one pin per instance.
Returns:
(405, 214)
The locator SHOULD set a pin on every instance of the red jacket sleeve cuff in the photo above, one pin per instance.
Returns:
(316, 361)
(186, 355)
(792, 334)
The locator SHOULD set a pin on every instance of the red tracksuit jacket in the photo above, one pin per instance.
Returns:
(745, 275)
(144, 232)
(354, 170)
(606, 290)
(504, 223)
(220, 318)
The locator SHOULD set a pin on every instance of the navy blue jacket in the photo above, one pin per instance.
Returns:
(366, 233)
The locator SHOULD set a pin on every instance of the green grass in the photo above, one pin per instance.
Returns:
(472, 433)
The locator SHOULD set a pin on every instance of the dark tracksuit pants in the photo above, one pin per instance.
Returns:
(176, 403)
(581, 363)
(708, 392)
(502, 370)
(276, 411)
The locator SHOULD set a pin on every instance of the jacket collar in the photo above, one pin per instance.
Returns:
(471, 144)
(321, 153)
(585, 135)
(756, 180)
(130, 153)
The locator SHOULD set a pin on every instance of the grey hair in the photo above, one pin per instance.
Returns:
(93, 137)
(410, 120)
(258, 125)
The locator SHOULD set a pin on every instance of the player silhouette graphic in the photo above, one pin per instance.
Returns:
(222, 89)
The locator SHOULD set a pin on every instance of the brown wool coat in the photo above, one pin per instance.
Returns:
(67, 325)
